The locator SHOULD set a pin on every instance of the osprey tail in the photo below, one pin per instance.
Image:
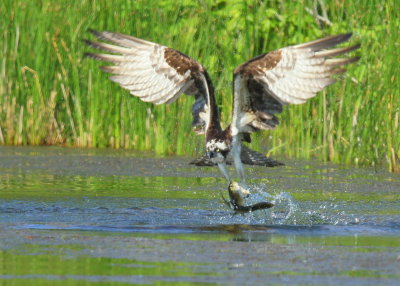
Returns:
(247, 156)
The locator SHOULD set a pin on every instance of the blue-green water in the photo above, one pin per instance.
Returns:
(72, 216)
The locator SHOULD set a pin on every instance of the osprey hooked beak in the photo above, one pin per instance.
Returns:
(216, 157)
(211, 154)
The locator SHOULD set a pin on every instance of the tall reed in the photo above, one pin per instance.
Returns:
(50, 94)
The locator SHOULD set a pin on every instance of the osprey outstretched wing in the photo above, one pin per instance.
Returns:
(291, 75)
(156, 73)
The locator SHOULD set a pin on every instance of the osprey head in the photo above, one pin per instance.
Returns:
(217, 150)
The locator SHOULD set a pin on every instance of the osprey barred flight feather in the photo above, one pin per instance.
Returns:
(261, 86)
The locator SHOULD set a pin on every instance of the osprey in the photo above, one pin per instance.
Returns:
(261, 86)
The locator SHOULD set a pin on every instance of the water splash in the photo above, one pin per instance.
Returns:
(288, 211)
(284, 211)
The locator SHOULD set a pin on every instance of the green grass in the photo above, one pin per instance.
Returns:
(50, 94)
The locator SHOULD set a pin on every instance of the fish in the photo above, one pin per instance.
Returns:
(237, 195)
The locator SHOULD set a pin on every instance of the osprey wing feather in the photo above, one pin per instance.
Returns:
(290, 75)
(154, 73)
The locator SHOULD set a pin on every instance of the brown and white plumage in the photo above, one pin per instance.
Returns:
(155, 73)
(262, 85)
(290, 75)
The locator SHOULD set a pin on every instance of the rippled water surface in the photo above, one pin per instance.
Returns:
(72, 216)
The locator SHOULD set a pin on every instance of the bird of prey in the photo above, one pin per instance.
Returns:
(261, 86)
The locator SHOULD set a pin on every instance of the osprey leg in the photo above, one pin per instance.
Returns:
(236, 150)
(224, 171)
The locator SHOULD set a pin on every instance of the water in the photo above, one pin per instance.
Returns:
(72, 216)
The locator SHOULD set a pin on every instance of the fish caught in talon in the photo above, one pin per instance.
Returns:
(237, 193)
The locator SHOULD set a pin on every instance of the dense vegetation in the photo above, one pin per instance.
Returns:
(50, 94)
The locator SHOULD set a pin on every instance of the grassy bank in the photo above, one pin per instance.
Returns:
(50, 94)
